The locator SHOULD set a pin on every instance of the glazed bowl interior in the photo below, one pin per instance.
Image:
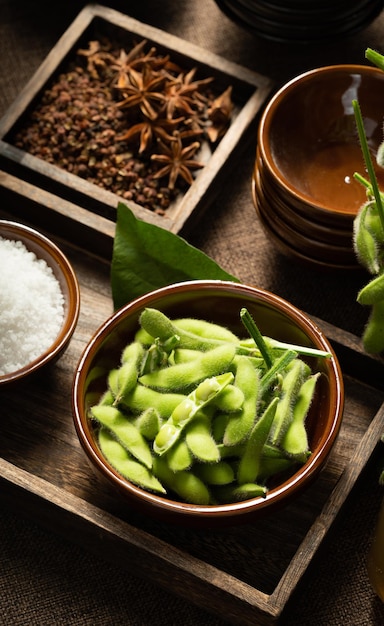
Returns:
(45, 249)
(308, 140)
(218, 302)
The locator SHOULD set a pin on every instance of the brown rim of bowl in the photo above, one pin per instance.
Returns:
(301, 198)
(321, 250)
(43, 247)
(296, 482)
(287, 249)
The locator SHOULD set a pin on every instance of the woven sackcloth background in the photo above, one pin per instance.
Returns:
(47, 580)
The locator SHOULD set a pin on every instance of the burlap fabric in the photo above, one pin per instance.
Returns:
(46, 580)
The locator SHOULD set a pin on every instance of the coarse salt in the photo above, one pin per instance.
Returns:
(31, 306)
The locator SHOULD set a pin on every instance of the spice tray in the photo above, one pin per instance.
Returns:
(95, 23)
(247, 573)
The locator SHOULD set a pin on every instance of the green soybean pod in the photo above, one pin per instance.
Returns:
(237, 493)
(248, 470)
(241, 422)
(199, 440)
(208, 330)
(125, 432)
(292, 381)
(191, 488)
(124, 464)
(373, 335)
(179, 457)
(295, 440)
(184, 375)
(141, 336)
(364, 242)
(271, 466)
(148, 423)
(220, 473)
(127, 374)
(373, 292)
(231, 399)
(142, 398)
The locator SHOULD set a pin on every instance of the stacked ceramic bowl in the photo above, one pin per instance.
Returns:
(302, 20)
(308, 151)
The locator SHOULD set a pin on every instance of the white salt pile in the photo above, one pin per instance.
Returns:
(31, 306)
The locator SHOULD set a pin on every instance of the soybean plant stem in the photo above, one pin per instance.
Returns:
(256, 335)
(368, 160)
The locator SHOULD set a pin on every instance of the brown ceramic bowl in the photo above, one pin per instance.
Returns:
(45, 249)
(308, 142)
(219, 302)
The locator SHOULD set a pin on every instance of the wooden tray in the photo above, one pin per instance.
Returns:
(94, 21)
(245, 574)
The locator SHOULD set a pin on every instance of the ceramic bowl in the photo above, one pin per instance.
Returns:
(219, 302)
(48, 251)
(307, 154)
(308, 141)
(300, 21)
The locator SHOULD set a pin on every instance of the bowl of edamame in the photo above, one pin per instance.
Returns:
(208, 402)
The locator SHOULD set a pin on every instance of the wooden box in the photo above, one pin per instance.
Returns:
(249, 91)
(245, 574)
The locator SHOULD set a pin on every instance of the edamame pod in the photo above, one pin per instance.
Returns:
(124, 431)
(364, 242)
(185, 484)
(208, 330)
(241, 422)
(148, 423)
(185, 375)
(220, 473)
(179, 457)
(142, 398)
(295, 440)
(199, 440)
(206, 391)
(292, 380)
(123, 463)
(233, 493)
(373, 336)
(249, 465)
(127, 375)
(373, 292)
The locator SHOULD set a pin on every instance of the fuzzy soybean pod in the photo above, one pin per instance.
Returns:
(364, 240)
(200, 441)
(142, 398)
(124, 431)
(373, 335)
(157, 324)
(189, 487)
(148, 423)
(179, 457)
(230, 400)
(292, 381)
(183, 376)
(241, 422)
(220, 473)
(248, 470)
(125, 465)
(373, 292)
(208, 330)
(295, 440)
(237, 493)
(125, 378)
(184, 412)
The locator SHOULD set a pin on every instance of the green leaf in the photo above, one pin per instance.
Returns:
(147, 257)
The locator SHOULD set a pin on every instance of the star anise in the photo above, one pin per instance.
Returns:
(143, 91)
(176, 160)
(219, 113)
(181, 93)
(148, 130)
(96, 57)
(134, 59)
